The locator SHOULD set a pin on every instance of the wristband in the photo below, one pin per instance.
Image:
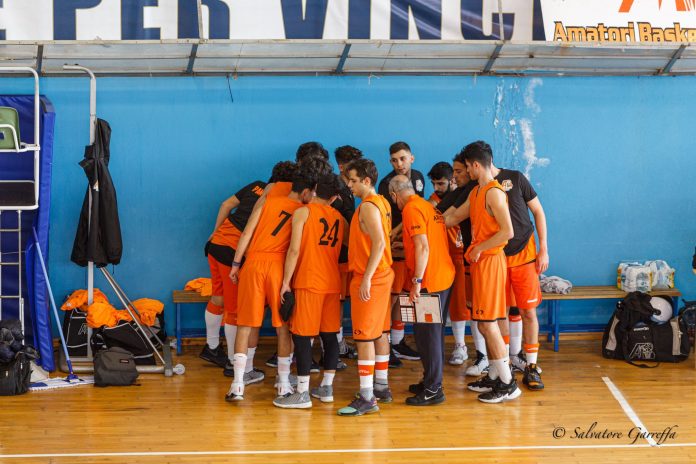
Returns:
(235, 263)
(416, 280)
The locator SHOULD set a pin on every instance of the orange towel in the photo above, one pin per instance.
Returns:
(148, 309)
(78, 300)
(202, 285)
(99, 314)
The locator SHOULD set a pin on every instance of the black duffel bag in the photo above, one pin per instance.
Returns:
(15, 375)
(114, 367)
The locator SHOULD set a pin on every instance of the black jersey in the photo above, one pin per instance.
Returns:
(457, 198)
(345, 203)
(519, 192)
(418, 182)
(247, 196)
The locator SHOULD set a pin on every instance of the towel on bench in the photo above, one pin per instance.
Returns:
(554, 284)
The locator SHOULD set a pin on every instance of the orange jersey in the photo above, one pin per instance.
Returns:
(421, 217)
(359, 243)
(483, 225)
(226, 235)
(456, 246)
(527, 255)
(279, 189)
(272, 234)
(322, 237)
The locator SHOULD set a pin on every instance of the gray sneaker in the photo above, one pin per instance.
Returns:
(384, 396)
(323, 393)
(295, 400)
(254, 376)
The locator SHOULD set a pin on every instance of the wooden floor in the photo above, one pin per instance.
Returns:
(185, 419)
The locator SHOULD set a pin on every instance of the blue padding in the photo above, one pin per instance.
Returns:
(18, 167)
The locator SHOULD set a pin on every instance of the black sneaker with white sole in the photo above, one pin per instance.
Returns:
(428, 397)
(501, 392)
(272, 361)
(217, 356)
(482, 385)
(403, 351)
(394, 361)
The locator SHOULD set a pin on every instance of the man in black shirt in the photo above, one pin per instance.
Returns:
(401, 159)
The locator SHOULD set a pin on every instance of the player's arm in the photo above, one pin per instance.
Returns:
(422, 252)
(372, 221)
(395, 233)
(497, 205)
(454, 216)
(244, 241)
(299, 218)
(225, 208)
(542, 261)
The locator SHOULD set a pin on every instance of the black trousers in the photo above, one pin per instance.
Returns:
(430, 344)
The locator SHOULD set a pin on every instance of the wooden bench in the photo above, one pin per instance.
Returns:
(180, 297)
(608, 292)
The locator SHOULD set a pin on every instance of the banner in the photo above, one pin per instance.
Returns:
(523, 20)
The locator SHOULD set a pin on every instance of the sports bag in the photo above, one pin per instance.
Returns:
(15, 375)
(114, 367)
(635, 308)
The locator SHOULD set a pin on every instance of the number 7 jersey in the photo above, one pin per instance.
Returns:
(272, 234)
(322, 237)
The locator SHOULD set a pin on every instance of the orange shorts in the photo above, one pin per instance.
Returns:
(315, 312)
(458, 309)
(523, 288)
(223, 286)
(373, 317)
(345, 280)
(488, 278)
(400, 277)
(259, 284)
(469, 287)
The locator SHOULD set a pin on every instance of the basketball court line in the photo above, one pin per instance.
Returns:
(629, 410)
(342, 451)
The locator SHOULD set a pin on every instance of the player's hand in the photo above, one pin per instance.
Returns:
(365, 289)
(474, 254)
(234, 274)
(415, 293)
(284, 288)
(542, 261)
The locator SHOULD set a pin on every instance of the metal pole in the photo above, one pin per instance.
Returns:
(20, 300)
(500, 20)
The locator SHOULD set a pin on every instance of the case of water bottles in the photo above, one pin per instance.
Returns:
(645, 276)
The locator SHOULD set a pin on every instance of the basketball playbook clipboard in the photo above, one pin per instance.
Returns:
(425, 311)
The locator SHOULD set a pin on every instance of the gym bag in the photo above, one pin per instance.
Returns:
(114, 367)
(126, 335)
(75, 332)
(15, 376)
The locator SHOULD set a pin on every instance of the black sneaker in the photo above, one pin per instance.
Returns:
(315, 368)
(427, 397)
(384, 396)
(217, 356)
(482, 385)
(394, 360)
(532, 378)
(273, 360)
(501, 392)
(416, 388)
(403, 351)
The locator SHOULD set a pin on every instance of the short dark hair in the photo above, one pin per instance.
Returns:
(346, 154)
(441, 170)
(311, 149)
(478, 151)
(309, 170)
(328, 186)
(398, 146)
(283, 171)
(363, 168)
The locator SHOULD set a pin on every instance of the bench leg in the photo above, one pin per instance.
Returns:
(549, 320)
(556, 325)
(178, 328)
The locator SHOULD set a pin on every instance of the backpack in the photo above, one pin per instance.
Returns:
(114, 367)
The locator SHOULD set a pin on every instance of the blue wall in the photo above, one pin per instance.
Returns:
(611, 158)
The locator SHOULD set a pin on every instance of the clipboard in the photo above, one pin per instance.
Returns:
(425, 311)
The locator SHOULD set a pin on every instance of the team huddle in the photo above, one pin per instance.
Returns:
(299, 246)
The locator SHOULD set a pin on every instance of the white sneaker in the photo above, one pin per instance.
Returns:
(518, 362)
(480, 365)
(235, 393)
(459, 355)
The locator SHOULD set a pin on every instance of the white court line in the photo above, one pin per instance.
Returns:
(340, 451)
(628, 410)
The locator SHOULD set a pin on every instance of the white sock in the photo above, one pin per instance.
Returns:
(396, 336)
(492, 372)
(479, 341)
(515, 337)
(283, 370)
(212, 329)
(239, 361)
(328, 378)
(230, 336)
(532, 357)
(339, 335)
(507, 349)
(502, 367)
(250, 360)
(381, 375)
(458, 330)
(302, 383)
(366, 381)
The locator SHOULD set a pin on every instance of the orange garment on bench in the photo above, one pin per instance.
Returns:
(202, 285)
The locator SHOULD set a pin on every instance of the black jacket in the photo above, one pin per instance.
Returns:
(98, 237)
